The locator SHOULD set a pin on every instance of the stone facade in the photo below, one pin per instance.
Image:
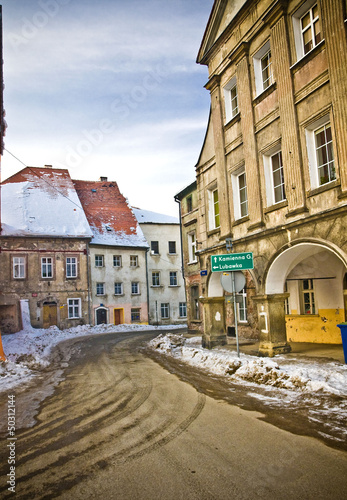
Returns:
(272, 173)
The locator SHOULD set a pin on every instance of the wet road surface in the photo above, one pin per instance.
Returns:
(121, 426)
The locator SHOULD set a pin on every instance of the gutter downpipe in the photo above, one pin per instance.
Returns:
(147, 285)
(181, 237)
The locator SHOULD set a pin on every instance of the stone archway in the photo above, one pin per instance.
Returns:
(306, 281)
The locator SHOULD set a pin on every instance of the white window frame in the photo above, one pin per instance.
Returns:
(71, 265)
(173, 278)
(298, 33)
(134, 261)
(310, 291)
(269, 177)
(192, 247)
(157, 278)
(117, 261)
(47, 267)
(235, 183)
(258, 70)
(182, 307)
(74, 308)
(165, 310)
(121, 288)
(310, 132)
(135, 311)
(100, 289)
(231, 100)
(213, 209)
(135, 288)
(99, 260)
(242, 307)
(18, 267)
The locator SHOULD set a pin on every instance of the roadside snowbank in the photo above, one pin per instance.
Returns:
(29, 350)
(291, 373)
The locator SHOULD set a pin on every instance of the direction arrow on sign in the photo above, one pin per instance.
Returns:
(232, 262)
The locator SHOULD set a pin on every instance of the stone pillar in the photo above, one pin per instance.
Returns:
(273, 337)
(335, 40)
(214, 333)
(219, 147)
(240, 58)
(292, 161)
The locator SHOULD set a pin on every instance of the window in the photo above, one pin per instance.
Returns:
(263, 72)
(231, 100)
(239, 185)
(194, 301)
(320, 152)
(71, 267)
(155, 247)
(74, 308)
(117, 261)
(118, 288)
(46, 267)
(192, 247)
(213, 209)
(307, 28)
(100, 289)
(99, 261)
(278, 177)
(172, 247)
(135, 288)
(135, 315)
(18, 267)
(189, 201)
(133, 261)
(173, 278)
(155, 278)
(242, 306)
(183, 309)
(307, 297)
(165, 310)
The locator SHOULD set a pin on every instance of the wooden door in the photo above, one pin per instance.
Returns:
(50, 316)
(101, 316)
(118, 316)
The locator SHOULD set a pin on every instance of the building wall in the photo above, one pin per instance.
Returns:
(306, 92)
(108, 274)
(164, 263)
(47, 297)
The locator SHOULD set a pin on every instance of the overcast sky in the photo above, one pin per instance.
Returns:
(107, 88)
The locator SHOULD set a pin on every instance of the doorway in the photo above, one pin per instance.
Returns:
(50, 315)
(101, 316)
(118, 316)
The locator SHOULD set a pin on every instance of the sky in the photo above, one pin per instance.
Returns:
(108, 88)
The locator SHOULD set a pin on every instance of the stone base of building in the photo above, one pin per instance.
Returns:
(210, 341)
(270, 349)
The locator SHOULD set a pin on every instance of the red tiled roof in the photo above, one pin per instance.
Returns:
(104, 205)
(57, 178)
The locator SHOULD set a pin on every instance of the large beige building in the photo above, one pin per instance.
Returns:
(272, 173)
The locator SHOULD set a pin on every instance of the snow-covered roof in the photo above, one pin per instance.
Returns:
(42, 202)
(147, 217)
(109, 215)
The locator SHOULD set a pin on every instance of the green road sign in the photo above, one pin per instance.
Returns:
(232, 262)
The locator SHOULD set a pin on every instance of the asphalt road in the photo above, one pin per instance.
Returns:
(121, 426)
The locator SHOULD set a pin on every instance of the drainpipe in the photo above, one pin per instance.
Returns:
(181, 237)
(147, 284)
(88, 283)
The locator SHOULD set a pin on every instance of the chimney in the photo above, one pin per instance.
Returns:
(48, 166)
(103, 179)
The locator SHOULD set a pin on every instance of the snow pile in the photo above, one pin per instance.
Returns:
(287, 373)
(29, 350)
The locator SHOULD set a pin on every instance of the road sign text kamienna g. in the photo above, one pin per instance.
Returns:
(232, 262)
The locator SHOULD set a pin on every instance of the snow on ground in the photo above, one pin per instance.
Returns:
(306, 375)
(29, 350)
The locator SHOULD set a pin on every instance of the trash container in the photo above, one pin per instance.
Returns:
(343, 328)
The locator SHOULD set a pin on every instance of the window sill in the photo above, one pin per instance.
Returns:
(276, 206)
(192, 262)
(265, 93)
(324, 187)
(213, 231)
(232, 121)
(118, 295)
(307, 57)
(174, 286)
(241, 220)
